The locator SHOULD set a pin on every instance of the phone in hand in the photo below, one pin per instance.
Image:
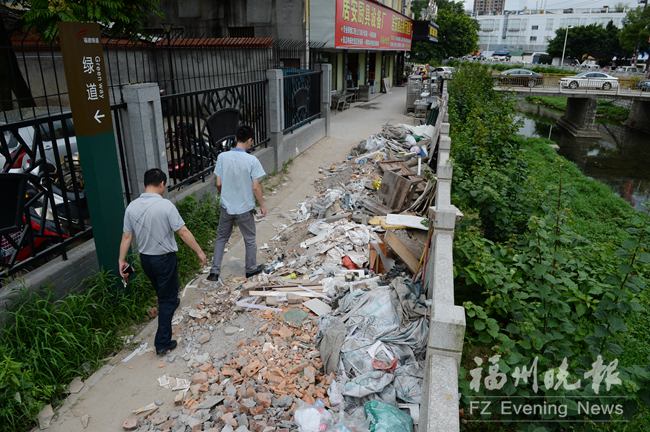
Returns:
(128, 271)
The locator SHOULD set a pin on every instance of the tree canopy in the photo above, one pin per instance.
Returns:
(119, 16)
(457, 35)
(636, 30)
(601, 43)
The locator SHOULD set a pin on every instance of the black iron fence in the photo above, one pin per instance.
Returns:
(200, 125)
(208, 86)
(302, 98)
(44, 206)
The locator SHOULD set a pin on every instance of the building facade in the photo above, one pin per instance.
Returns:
(530, 31)
(279, 19)
(364, 40)
(488, 7)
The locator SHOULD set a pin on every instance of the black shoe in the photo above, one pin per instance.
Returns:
(213, 277)
(170, 347)
(258, 270)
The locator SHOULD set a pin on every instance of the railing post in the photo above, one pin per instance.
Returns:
(326, 87)
(439, 404)
(144, 135)
(275, 107)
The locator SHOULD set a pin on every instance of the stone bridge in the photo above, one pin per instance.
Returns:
(580, 116)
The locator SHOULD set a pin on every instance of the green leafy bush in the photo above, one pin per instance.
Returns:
(549, 263)
(46, 343)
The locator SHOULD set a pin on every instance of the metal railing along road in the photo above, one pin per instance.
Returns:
(302, 99)
(571, 86)
(191, 151)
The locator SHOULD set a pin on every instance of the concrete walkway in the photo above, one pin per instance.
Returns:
(118, 388)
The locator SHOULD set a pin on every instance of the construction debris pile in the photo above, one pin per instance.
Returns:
(341, 318)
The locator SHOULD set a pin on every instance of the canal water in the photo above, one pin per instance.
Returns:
(620, 158)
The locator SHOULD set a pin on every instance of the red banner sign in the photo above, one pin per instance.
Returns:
(366, 25)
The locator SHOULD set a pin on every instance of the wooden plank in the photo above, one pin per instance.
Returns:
(375, 208)
(407, 221)
(402, 251)
(381, 221)
(284, 293)
(394, 190)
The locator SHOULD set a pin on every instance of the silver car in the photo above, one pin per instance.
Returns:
(590, 80)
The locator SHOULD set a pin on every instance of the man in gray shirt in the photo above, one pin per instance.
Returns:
(238, 180)
(154, 220)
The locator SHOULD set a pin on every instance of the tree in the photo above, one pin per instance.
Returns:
(417, 6)
(457, 34)
(636, 30)
(115, 16)
(592, 40)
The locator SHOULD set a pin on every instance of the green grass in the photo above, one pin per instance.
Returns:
(588, 200)
(605, 112)
(46, 343)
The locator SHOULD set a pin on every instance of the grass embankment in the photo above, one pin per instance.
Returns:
(47, 343)
(606, 111)
(550, 265)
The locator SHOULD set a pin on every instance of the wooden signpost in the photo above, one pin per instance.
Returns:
(85, 72)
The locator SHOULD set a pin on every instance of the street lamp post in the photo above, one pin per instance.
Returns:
(566, 35)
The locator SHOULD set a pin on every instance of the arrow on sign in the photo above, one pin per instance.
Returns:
(99, 117)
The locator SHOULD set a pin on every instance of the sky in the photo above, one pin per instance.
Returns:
(557, 4)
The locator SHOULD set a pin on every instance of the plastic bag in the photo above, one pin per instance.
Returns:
(313, 418)
(387, 418)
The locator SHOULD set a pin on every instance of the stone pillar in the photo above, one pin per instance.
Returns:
(439, 406)
(378, 77)
(580, 117)
(326, 87)
(340, 73)
(639, 117)
(362, 68)
(275, 107)
(144, 134)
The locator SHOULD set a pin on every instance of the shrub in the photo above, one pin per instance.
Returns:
(548, 262)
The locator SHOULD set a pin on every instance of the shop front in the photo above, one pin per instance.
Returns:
(364, 41)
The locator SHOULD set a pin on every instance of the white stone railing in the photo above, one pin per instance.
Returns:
(440, 398)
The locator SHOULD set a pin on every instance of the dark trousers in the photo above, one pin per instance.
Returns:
(162, 270)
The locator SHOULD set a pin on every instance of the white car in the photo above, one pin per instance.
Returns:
(444, 71)
(590, 80)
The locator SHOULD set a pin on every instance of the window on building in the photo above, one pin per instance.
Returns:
(549, 24)
(241, 31)
(535, 27)
(533, 38)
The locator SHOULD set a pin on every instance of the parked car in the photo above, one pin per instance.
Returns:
(644, 85)
(444, 71)
(520, 77)
(590, 80)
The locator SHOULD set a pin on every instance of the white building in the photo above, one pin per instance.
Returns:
(530, 30)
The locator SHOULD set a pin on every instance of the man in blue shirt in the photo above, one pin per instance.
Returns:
(238, 181)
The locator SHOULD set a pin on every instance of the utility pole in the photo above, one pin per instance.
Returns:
(566, 35)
